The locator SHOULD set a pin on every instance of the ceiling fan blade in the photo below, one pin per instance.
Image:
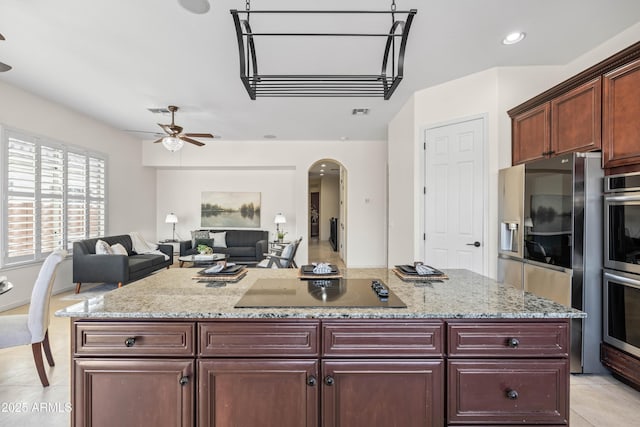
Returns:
(157, 134)
(166, 128)
(199, 135)
(4, 67)
(157, 140)
(2, 37)
(192, 141)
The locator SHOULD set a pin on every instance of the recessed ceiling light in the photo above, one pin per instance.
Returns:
(323, 165)
(344, 138)
(514, 38)
(360, 111)
(321, 170)
(321, 174)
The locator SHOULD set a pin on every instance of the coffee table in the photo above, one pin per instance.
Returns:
(202, 259)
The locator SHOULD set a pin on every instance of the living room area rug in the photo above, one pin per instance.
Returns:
(91, 291)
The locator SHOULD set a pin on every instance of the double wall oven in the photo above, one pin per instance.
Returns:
(621, 277)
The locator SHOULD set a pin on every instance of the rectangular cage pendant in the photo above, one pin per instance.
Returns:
(390, 50)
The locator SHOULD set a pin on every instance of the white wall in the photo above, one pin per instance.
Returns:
(365, 161)
(401, 158)
(180, 192)
(131, 187)
(492, 93)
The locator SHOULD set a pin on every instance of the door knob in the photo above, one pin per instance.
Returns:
(476, 244)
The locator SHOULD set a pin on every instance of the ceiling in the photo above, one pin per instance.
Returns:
(114, 59)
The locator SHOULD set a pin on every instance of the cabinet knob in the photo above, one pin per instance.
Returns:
(328, 380)
(312, 381)
(512, 394)
(513, 342)
(184, 380)
(129, 342)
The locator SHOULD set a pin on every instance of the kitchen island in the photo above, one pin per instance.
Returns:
(169, 350)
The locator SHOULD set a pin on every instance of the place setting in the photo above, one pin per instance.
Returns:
(317, 270)
(419, 273)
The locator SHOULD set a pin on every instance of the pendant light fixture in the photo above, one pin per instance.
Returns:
(172, 143)
(321, 84)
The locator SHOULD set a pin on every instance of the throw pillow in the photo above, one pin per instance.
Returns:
(103, 248)
(197, 235)
(219, 239)
(118, 249)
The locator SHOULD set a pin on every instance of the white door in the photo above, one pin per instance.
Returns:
(454, 195)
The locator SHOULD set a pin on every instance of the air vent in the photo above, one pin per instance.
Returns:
(158, 110)
(360, 111)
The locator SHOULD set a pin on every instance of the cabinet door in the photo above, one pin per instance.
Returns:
(621, 110)
(257, 392)
(531, 135)
(141, 392)
(382, 393)
(576, 119)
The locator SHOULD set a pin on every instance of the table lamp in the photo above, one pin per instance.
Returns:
(279, 219)
(172, 219)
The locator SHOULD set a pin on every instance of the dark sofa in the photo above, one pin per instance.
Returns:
(243, 246)
(120, 269)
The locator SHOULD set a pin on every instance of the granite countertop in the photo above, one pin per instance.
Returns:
(173, 294)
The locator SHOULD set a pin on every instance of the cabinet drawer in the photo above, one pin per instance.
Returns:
(382, 338)
(258, 339)
(134, 339)
(501, 391)
(495, 339)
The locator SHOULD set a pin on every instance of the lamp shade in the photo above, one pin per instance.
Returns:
(280, 219)
(172, 143)
(171, 219)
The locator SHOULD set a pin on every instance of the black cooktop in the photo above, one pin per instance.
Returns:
(360, 293)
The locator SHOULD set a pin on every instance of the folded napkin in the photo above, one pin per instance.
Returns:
(214, 269)
(322, 268)
(423, 270)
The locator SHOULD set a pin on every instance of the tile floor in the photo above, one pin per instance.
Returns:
(596, 400)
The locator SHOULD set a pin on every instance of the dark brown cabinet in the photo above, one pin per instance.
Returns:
(258, 392)
(133, 392)
(621, 116)
(598, 108)
(531, 134)
(501, 391)
(568, 123)
(312, 372)
(395, 392)
(499, 372)
(576, 119)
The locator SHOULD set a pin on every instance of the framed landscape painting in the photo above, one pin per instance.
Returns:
(230, 209)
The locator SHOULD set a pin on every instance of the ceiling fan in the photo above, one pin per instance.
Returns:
(174, 139)
(4, 67)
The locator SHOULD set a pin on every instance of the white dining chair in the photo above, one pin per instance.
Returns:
(32, 328)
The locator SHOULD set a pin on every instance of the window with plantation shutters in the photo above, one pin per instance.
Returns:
(53, 195)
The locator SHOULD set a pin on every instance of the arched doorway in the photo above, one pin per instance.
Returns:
(327, 212)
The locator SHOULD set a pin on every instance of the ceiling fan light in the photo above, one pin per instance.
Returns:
(195, 6)
(172, 143)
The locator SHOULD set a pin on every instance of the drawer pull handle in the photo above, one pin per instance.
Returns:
(513, 342)
(129, 342)
(328, 380)
(312, 381)
(512, 394)
(184, 380)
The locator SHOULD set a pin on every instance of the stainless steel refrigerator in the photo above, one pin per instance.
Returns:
(550, 241)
